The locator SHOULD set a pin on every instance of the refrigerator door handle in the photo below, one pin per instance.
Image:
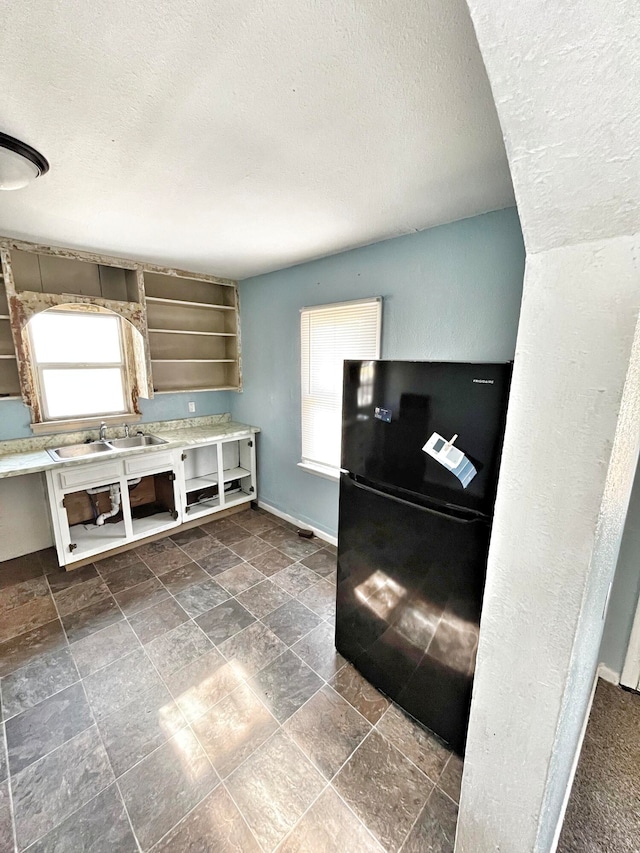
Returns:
(414, 506)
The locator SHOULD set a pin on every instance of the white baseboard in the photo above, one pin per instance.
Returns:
(332, 540)
(608, 674)
(574, 766)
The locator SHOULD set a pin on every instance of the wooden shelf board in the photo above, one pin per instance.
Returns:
(4, 317)
(199, 388)
(165, 301)
(189, 332)
(205, 482)
(192, 360)
(8, 356)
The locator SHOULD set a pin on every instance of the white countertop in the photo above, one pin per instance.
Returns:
(34, 461)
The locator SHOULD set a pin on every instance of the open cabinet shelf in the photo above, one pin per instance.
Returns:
(193, 333)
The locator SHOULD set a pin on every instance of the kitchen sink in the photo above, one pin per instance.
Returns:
(135, 441)
(75, 451)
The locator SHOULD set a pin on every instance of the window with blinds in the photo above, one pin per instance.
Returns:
(329, 334)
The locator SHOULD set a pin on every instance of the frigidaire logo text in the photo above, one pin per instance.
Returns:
(484, 381)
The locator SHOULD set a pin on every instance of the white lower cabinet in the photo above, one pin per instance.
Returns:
(99, 506)
(219, 475)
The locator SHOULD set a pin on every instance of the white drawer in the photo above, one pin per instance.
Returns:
(86, 475)
(149, 462)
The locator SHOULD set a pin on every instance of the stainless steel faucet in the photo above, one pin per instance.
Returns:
(126, 430)
(103, 431)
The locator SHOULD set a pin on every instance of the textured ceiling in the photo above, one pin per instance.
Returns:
(242, 136)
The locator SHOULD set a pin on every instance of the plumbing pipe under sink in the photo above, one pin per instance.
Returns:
(114, 497)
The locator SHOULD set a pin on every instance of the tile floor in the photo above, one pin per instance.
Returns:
(187, 696)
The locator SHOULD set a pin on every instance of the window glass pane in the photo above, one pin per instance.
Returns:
(76, 338)
(330, 334)
(75, 393)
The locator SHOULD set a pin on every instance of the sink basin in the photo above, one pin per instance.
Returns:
(135, 441)
(74, 451)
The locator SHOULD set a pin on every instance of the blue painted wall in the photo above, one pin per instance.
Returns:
(451, 293)
(15, 419)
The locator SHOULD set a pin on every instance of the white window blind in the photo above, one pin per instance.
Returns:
(329, 334)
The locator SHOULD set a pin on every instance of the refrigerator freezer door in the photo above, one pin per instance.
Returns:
(410, 585)
(420, 399)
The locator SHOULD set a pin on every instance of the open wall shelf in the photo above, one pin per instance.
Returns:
(193, 333)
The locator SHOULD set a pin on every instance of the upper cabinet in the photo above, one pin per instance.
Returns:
(188, 322)
(193, 332)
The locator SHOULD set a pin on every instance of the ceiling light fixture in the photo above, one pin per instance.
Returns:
(19, 163)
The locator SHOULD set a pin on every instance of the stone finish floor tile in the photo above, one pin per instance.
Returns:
(182, 537)
(202, 683)
(120, 579)
(318, 650)
(198, 548)
(141, 596)
(233, 729)
(39, 730)
(384, 789)
(262, 789)
(435, 829)
(250, 547)
(180, 579)
(252, 649)
(327, 729)
(117, 562)
(162, 788)
(239, 578)
(95, 617)
(224, 621)
(263, 598)
(451, 779)
(40, 678)
(19, 570)
(320, 598)
(214, 826)
(329, 827)
(21, 593)
(295, 579)
(51, 789)
(291, 622)
(171, 712)
(254, 522)
(349, 683)
(322, 562)
(81, 595)
(104, 647)
(29, 645)
(32, 614)
(6, 826)
(271, 561)
(3, 757)
(285, 685)
(61, 579)
(157, 620)
(162, 556)
(134, 731)
(218, 559)
(111, 688)
(100, 826)
(419, 744)
(201, 597)
(178, 647)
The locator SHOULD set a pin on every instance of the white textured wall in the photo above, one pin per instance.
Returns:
(25, 525)
(566, 82)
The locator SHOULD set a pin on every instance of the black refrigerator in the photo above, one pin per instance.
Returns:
(421, 446)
